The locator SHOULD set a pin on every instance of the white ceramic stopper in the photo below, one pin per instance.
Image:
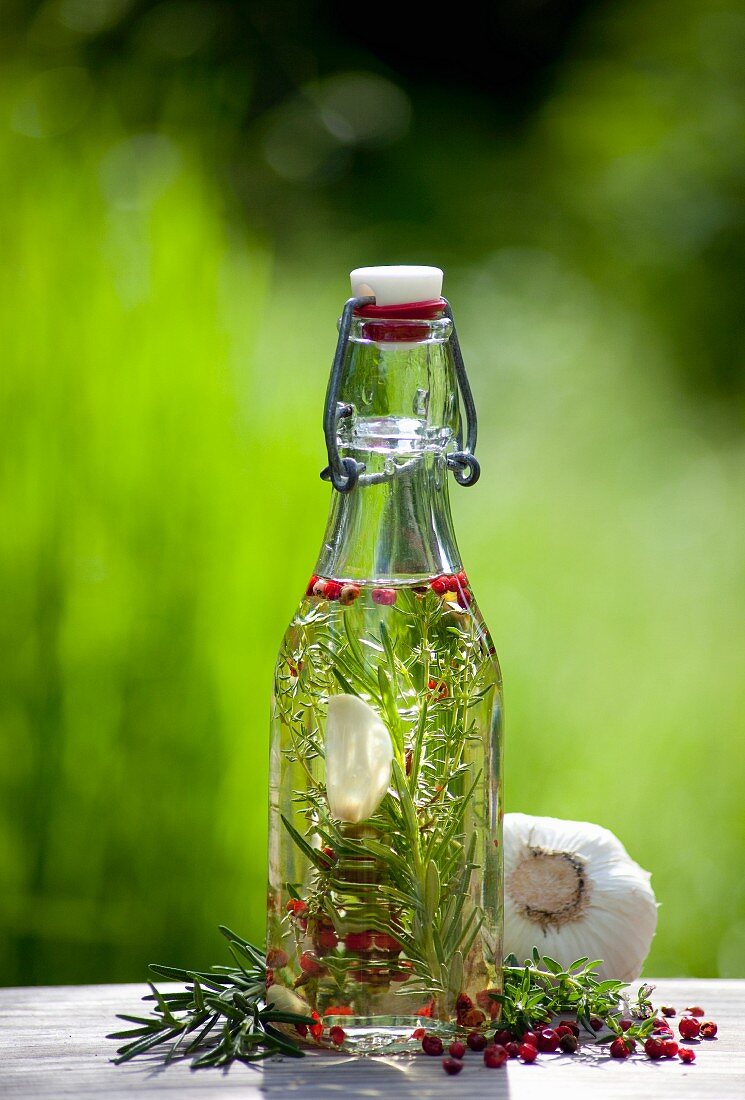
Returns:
(396, 285)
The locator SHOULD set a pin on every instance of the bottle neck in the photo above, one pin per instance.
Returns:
(400, 417)
(397, 529)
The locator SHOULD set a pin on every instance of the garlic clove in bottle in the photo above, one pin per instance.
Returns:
(571, 889)
(359, 754)
(284, 1000)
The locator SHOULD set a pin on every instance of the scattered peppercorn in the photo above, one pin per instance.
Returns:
(671, 1048)
(337, 1035)
(708, 1029)
(654, 1048)
(530, 1037)
(667, 1010)
(476, 1041)
(625, 1023)
(689, 1027)
(695, 1010)
(332, 590)
(452, 1066)
(418, 1033)
(619, 1049)
(503, 1036)
(495, 1056)
(686, 1054)
(569, 1043)
(432, 1044)
(596, 1023)
(512, 1048)
(457, 1049)
(548, 1040)
(527, 1052)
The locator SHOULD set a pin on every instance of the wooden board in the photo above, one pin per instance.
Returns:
(53, 1045)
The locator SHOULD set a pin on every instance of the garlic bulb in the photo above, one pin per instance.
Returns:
(571, 889)
(358, 758)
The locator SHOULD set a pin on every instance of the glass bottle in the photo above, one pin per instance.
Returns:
(385, 871)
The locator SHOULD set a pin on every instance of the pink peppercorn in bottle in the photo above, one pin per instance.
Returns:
(385, 877)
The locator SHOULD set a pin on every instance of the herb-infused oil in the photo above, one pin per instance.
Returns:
(385, 873)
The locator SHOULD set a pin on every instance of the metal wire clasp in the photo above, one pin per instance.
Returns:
(345, 473)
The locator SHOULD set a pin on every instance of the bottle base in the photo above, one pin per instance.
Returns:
(385, 1034)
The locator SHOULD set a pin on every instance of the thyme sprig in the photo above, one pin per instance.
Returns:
(220, 1017)
(540, 989)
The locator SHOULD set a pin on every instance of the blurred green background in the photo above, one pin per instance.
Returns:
(184, 186)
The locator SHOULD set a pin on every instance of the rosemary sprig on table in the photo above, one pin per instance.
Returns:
(222, 1016)
(219, 1018)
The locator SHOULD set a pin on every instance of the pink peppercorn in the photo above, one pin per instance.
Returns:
(671, 1048)
(708, 1029)
(689, 1027)
(457, 1049)
(695, 1010)
(548, 1040)
(569, 1043)
(332, 590)
(476, 1041)
(495, 1056)
(503, 1037)
(531, 1038)
(527, 1052)
(686, 1054)
(439, 585)
(654, 1048)
(513, 1049)
(618, 1049)
(432, 1044)
(452, 1066)
(348, 594)
(337, 1035)
(384, 596)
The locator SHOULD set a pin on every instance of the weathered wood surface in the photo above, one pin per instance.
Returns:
(53, 1045)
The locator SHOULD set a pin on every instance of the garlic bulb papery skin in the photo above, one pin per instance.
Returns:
(359, 754)
(571, 889)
